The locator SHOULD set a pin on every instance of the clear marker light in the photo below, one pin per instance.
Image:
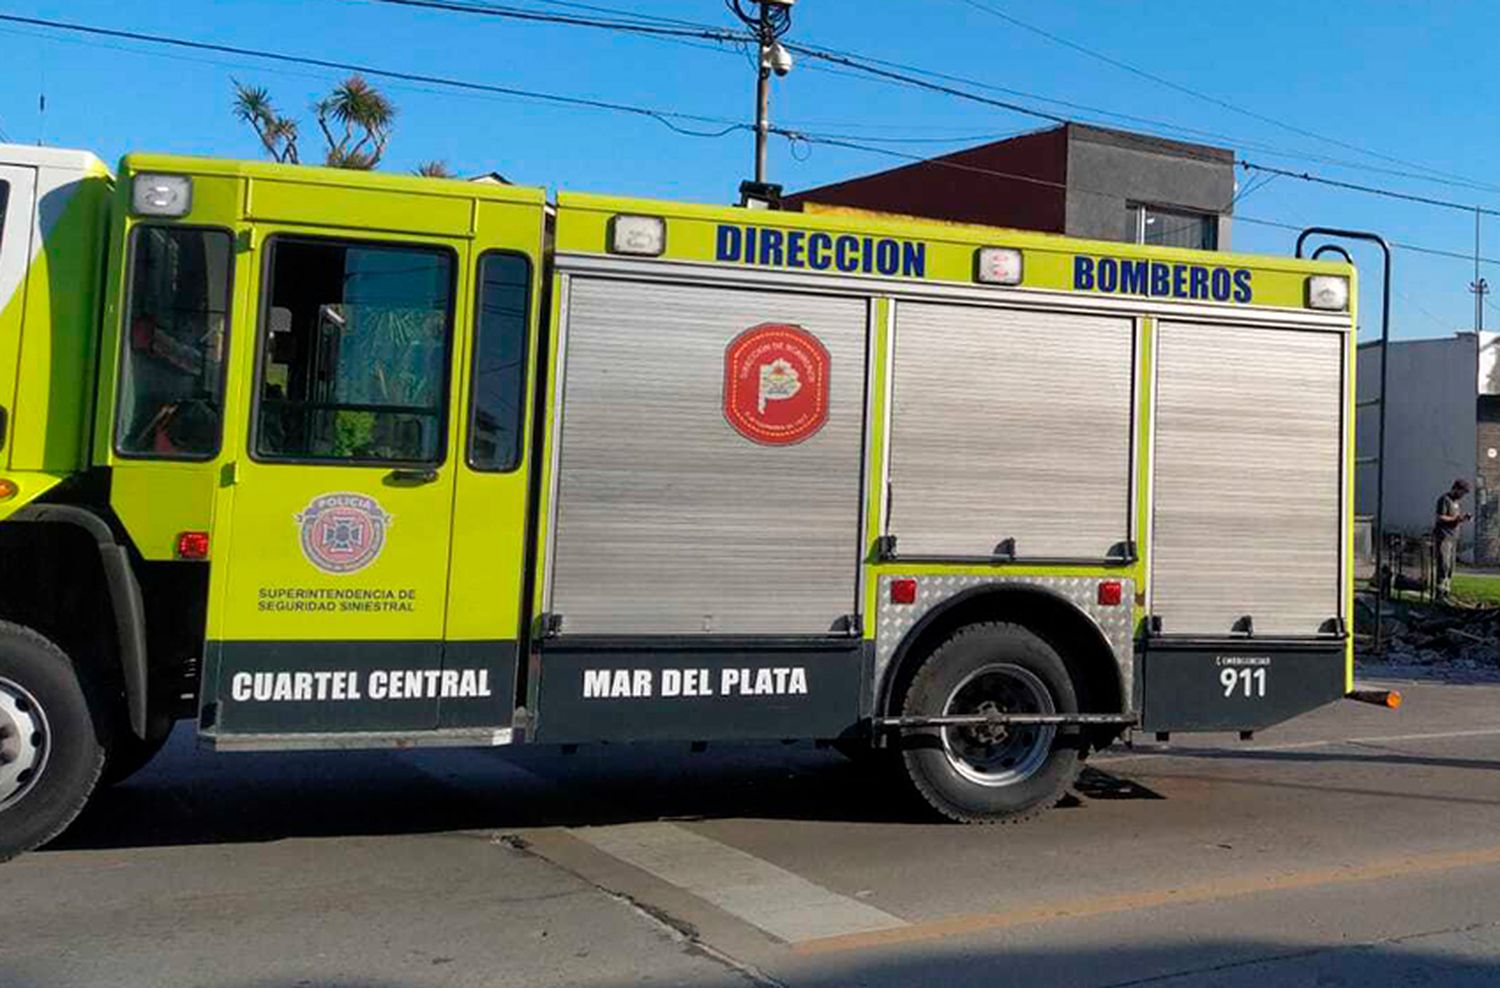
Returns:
(643, 236)
(998, 266)
(161, 195)
(1328, 291)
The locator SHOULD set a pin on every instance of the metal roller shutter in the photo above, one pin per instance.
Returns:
(668, 520)
(1247, 479)
(1010, 425)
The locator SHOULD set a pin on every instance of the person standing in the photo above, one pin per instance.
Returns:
(1449, 517)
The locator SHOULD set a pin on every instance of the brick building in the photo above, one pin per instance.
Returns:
(1074, 179)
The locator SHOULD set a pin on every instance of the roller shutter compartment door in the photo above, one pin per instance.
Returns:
(1247, 479)
(669, 520)
(1010, 430)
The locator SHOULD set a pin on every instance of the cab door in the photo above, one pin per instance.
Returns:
(17, 200)
(337, 538)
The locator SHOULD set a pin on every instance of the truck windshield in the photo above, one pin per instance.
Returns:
(172, 368)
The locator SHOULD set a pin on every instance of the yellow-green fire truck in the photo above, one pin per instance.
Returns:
(331, 459)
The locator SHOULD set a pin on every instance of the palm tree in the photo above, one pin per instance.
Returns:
(356, 120)
(277, 133)
(364, 115)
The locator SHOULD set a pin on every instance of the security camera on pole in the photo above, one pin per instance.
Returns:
(771, 20)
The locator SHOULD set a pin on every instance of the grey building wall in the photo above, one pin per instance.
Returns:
(1431, 432)
(1110, 170)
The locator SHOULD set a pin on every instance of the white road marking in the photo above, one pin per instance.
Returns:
(762, 894)
(1299, 745)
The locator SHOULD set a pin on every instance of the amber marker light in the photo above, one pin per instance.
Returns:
(1390, 699)
(8, 489)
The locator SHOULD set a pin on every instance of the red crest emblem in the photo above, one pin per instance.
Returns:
(776, 384)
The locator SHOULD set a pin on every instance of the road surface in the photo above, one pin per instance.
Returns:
(1354, 846)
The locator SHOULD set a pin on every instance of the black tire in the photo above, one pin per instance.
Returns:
(40, 690)
(985, 775)
(129, 754)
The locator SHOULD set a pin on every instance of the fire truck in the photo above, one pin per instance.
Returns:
(323, 459)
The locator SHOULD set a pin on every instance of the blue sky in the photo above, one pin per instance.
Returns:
(1409, 81)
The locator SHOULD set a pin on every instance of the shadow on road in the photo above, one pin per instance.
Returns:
(1453, 959)
(193, 797)
(1372, 755)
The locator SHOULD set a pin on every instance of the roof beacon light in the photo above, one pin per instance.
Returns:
(997, 266)
(644, 236)
(161, 195)
(1328, 291)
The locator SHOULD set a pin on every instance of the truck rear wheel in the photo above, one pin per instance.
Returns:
(991, 773)
(50, 755)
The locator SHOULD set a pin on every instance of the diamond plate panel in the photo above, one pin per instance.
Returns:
(896, 620)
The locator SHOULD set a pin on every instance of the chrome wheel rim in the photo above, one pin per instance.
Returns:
(999, 754)
(24, 742)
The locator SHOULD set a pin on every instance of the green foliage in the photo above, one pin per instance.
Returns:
(355, 119)
(1477, 588)
(354, 434)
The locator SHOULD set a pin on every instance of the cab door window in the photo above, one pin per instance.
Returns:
(498, 413)
(355, 347)
(172, 362)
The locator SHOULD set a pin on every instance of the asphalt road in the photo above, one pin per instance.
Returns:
(1355, 846)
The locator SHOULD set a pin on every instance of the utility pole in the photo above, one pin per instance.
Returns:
(769, 21)
(1478, 286)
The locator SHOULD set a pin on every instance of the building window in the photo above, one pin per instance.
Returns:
(1172, 227)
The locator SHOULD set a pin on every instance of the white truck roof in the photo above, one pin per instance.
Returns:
(49, 157)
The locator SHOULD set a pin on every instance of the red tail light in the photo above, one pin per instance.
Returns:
(192, 545)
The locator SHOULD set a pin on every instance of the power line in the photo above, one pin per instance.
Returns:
(1189, 91)
(855, 63)
(596, 8)
(887, 70)
(1371, 189)
(833, 141)
(1238, 142)
(702, 32)
(665, 117)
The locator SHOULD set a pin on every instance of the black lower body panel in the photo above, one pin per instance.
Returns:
(698, 689)
(1237, 684)
(322, 687)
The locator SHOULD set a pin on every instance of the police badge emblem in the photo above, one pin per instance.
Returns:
(342, 532)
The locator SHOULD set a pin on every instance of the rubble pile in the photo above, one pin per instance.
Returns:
(1418, 634)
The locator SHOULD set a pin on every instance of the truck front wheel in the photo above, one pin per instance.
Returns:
(50, 755)
(991, 773)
